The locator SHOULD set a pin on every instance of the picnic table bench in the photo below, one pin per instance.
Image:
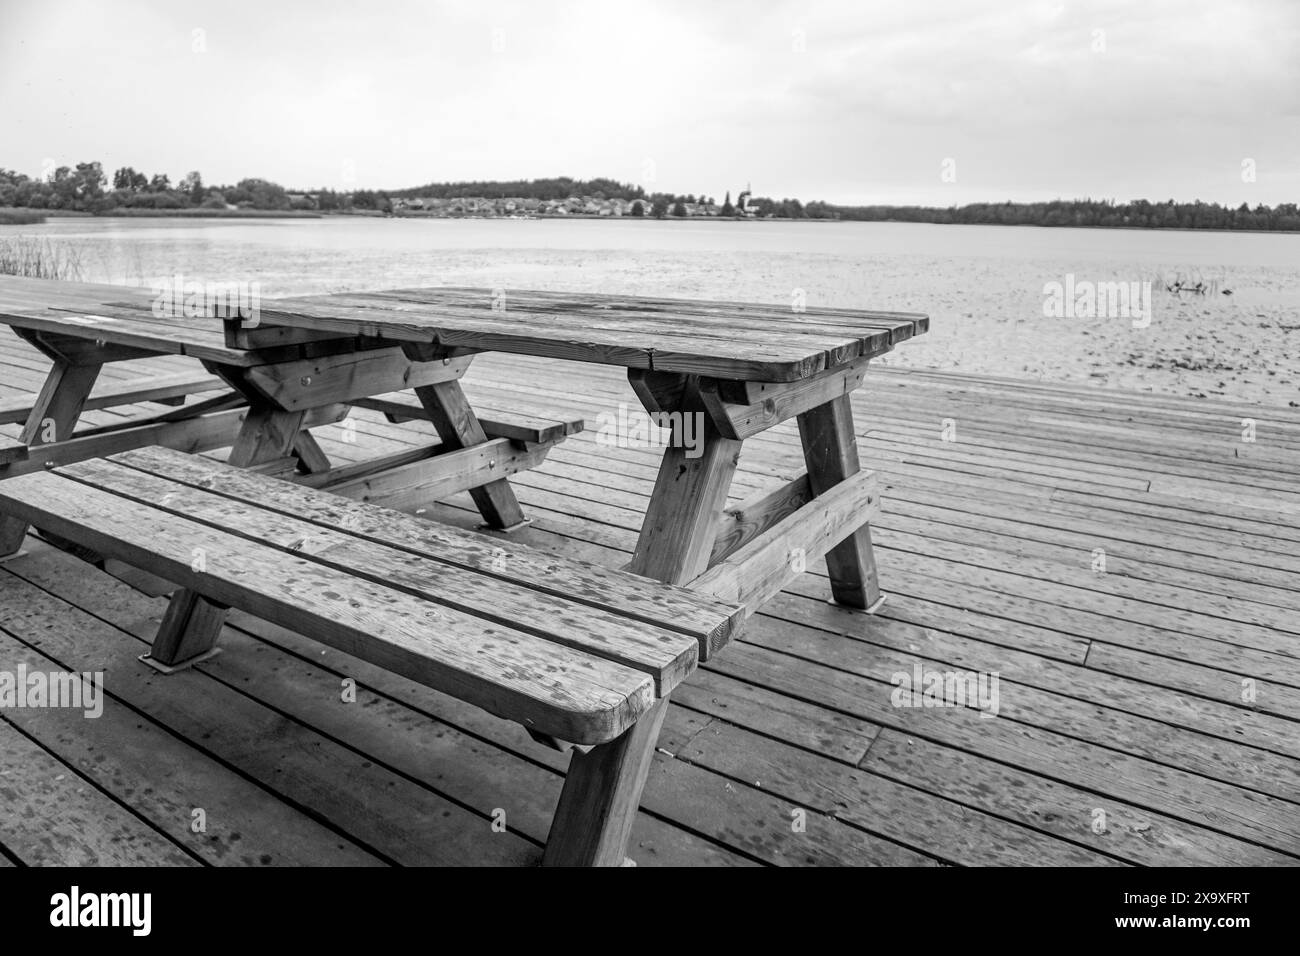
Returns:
(575, 653)
(157, 389)
(580, 655)
(278, 385)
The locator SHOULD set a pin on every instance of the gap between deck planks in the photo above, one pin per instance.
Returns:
(787, 717)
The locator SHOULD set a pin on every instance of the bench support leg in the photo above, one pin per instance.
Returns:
(192, 624)
(459, 427)
(53, 418)
(312, 459)
(831, 452)
(601, 794)
(189, 632)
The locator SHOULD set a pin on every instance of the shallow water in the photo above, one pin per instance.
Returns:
(983, 286)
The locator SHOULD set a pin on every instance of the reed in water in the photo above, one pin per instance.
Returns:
(40, 258)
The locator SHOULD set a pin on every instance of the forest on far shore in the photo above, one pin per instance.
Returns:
(86, 188)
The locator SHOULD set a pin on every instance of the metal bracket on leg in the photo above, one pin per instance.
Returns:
(184, 665)
(507, 530)
(848, 607)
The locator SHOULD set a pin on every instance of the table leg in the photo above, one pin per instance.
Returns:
(311, 457)
(458, 427)
(267, 434)
(830, 451)
(601, 794)
(603, 788)
(53, 418)
(681, 522)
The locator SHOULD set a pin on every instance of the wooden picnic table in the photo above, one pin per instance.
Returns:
(739, 368)
(279, 387)
(583, 657)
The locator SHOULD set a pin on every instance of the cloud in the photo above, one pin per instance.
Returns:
(838, 100)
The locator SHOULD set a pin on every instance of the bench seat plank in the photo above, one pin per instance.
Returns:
(157, 388)
(711, 622)
(545, 686)
(666, 655)
(496, 411)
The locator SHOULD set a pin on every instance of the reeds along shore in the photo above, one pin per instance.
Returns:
(40, 258)
(21, 217)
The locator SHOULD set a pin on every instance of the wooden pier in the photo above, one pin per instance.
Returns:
(1127, 564)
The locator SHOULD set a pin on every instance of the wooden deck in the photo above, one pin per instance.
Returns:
(1122, 736)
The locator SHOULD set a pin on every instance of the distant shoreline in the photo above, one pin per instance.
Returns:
(24, 216)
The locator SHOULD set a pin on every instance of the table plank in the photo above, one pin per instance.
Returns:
(753, 341)
(118, 315)
(901, 325)
(760, 327)
(605, 344)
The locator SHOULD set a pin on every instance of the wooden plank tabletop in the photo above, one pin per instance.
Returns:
(114, 314)
(731, 340)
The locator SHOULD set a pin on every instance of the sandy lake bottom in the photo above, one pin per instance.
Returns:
(983, 287)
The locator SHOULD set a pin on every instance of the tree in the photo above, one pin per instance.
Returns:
(638, 209)
(727, 208)
(264, 194)
(160, 183)
(90, 180)
(65, 188)
(192, 186)
(679, 209)
(659, 209)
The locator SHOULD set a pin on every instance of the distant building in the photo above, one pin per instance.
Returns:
(743, 205)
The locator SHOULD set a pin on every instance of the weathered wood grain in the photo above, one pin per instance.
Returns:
(569, 694)
(155, 389)
(831, 455)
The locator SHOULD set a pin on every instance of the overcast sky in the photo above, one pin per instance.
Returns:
(844, 101)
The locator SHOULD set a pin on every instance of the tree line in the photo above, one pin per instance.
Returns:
(86, 188)
(1138, 214)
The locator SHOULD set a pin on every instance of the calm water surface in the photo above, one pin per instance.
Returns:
(983, 286)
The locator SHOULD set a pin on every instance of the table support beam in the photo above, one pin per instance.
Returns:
(458, 427)
(830, 450)
(681, 522)
(53, 417)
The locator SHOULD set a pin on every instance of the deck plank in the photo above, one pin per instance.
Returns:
(1121, 692)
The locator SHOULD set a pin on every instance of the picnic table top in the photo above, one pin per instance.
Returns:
(118, 314)
(731, 340)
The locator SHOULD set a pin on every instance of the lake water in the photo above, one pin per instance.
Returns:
(983, 286)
